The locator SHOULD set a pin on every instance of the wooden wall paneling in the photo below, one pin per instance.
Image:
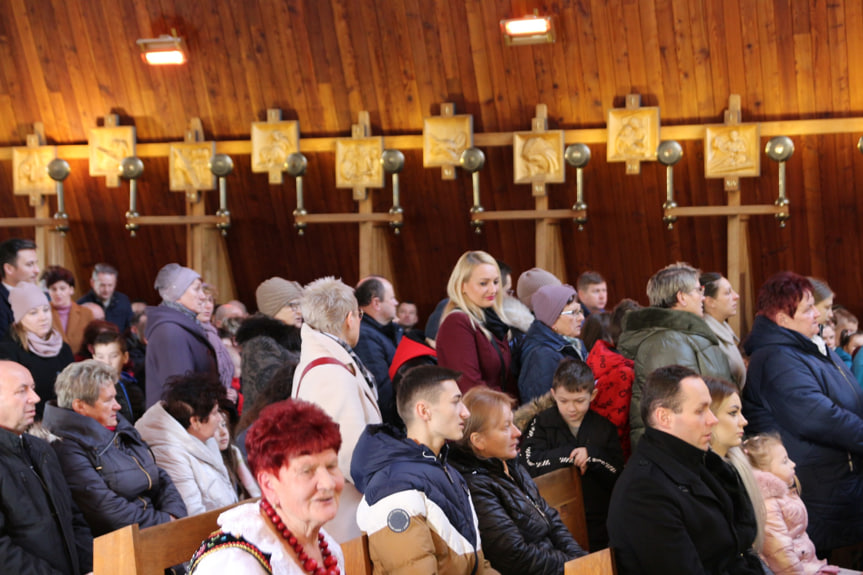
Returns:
(347, 56)
(609, 83)
(592, 108)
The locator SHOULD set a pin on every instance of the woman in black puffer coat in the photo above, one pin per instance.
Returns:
(520, 532)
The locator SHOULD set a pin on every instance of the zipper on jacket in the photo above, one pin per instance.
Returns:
(854, 391)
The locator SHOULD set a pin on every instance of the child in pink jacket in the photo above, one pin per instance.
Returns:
(787, 548)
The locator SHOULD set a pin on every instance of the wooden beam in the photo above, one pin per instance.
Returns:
(490, 139)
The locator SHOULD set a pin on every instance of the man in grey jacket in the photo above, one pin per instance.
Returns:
(672, 331)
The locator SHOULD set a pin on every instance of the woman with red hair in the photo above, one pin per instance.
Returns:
(815, 404)
(293, 452)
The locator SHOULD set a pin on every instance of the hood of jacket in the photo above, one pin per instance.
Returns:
(68, 424)
(160, 314)
(766, 333)
(287, 336)
(610, 361)
(524, 414)
(467, 462)
(640, 324)
(519, 315)
(769, 484)
(382, 446)
(158, 428)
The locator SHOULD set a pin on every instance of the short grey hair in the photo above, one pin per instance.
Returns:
(326, 303)
(103, 268)
(664, 285)
(83, 380)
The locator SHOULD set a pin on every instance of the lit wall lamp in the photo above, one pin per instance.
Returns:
(533, 29)
(780, 149)
(669, 153)
(166, 50)
(58, 170)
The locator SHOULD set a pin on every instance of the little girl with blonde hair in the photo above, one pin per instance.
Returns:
(787, 548)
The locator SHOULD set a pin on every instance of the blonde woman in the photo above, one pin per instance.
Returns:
(473, 335)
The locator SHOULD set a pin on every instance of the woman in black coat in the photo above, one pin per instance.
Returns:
(520, 532)
(112, 473)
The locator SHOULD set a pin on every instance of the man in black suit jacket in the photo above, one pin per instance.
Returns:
(677, 507)
(18, 263)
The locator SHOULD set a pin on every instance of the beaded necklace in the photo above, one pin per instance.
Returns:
(308, 564)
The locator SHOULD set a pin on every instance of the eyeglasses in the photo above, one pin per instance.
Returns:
(575, 312)
(360, 314)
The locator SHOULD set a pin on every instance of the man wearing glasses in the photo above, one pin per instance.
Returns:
(672, 331)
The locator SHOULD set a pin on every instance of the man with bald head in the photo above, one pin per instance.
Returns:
(678, 507)
(41, 530)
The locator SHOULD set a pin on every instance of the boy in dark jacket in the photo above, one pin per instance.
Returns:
(570, 433)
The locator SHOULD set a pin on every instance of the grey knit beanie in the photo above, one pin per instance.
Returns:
(549, 301)
(24, 297)
(173, 280)
(532, 280)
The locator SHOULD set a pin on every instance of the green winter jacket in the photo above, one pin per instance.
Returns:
(654, 337)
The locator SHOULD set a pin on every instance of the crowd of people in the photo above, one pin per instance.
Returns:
(336, 408)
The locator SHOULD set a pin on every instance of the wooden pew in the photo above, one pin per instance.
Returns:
(599, 563)
(562, 490)
(134, 551)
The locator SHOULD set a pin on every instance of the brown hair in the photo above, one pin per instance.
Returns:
(485, 405)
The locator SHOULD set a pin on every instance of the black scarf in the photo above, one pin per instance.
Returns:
(494, 324)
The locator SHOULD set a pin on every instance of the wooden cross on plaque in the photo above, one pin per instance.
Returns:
(29, 176)
(633, 134)
(445, 137)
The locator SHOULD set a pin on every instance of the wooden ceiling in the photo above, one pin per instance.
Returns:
(68, 63)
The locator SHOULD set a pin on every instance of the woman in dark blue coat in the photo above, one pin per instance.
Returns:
(551, 337)
(520, 532)
(814, 402)
(110, 470)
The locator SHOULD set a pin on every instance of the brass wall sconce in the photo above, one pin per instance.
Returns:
(472, 160)
(780, 149)
(393, 162)
(131, 169)
(578, 156)
(296, 165)
(58, 170)
(221, 165)
(669, 153)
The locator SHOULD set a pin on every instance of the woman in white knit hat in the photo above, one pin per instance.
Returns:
(176, 342)
(33, 342)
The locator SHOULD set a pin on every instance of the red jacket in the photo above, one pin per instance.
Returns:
(464, 348)
(614, 376)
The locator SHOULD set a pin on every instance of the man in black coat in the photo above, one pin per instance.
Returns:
(118, 308)
(677, 507)
(18, 263)
(41, 530)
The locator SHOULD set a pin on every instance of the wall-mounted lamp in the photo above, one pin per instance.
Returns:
(296, 165)
(393, 161)
(532, 29)
(166, 50)
(780, 149)
(131, 169)
(669, 153)
(577, 156)
(221, 165)
(471, 161)
(58, 170)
